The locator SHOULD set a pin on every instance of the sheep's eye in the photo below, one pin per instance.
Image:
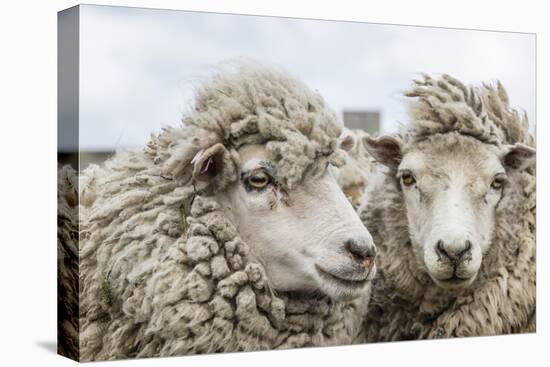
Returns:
(408, 179)
(258, 180)
(498, 183)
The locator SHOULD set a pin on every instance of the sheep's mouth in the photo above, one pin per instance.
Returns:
(454, 282)
(344, 282)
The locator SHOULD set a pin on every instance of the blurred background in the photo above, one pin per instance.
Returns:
(138, 66)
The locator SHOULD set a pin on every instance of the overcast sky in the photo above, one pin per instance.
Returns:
(137, 66)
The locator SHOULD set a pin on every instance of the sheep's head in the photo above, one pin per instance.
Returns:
(453, 170)
(307, 237)
(353, 175)
(451, 185)
(262, 142)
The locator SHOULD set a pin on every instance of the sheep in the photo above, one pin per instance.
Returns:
(353, 176)
(453, 217)
(228, 233)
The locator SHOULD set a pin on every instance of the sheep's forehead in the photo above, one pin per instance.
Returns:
(467, 161)
(250, 156)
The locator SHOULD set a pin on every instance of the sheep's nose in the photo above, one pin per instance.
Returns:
(454, 253)
(362, 250)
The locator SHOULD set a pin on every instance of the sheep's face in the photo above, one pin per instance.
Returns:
(309, 239)
(451, 187)
(353, 175)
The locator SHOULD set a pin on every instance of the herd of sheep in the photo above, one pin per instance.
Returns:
(261, 223)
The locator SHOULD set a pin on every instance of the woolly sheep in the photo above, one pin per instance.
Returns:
(225, 234)
(353, 175)
(453, 217)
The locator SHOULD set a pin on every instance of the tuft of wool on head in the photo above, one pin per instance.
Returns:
(405, 303)
(254, 104)
(163, 270)
(446, 104)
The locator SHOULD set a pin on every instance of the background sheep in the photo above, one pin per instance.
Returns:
(227, 234)
(454, 218)
(354, 174)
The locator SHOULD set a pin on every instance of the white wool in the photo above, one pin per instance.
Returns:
(405, 302)
(164, 271)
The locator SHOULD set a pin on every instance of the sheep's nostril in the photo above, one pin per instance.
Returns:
(466, 250)
(355, 249)
(440, 249)
(362, 252)
(455, 254)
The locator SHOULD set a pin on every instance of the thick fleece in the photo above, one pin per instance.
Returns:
(405, 303)
(67, 262)
(163, 270)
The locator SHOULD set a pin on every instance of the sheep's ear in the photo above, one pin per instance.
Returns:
(209, 163)
(518, 157)
(346, 141)
(385, 149)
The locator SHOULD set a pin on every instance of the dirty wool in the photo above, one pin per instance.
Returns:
(163, 271)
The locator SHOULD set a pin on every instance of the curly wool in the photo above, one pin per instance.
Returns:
(405, 303)
(163, 270)
(67, 262)
(256, 105)
(445, 105)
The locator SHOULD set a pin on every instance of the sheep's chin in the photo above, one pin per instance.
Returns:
(339, 289)
(454, 284)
